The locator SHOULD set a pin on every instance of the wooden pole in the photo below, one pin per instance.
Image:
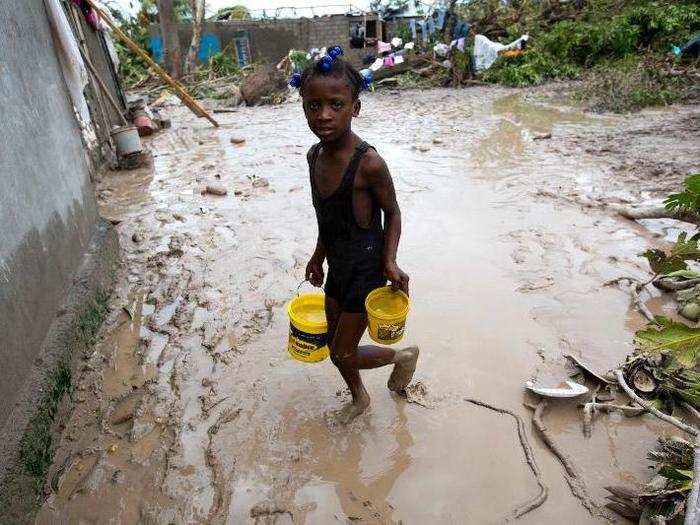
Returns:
(180, 91)
(104, 88)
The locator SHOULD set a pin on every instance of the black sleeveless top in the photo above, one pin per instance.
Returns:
(343, 238)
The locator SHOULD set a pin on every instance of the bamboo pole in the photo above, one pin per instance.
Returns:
(180, 91)
(104, 88)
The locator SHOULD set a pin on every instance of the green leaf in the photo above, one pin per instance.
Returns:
(677, 474)
(687, 200)
(665, 262)
(692, 183)
(685, 274)
(682, 341)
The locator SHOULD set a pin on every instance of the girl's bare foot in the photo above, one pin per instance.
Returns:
(404, 367)
(353, 409)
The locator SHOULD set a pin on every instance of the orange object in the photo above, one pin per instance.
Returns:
(512, 53)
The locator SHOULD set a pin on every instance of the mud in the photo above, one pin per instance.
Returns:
(191, 411)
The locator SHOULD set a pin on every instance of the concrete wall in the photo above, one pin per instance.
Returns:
(271, 40)
(47, 209)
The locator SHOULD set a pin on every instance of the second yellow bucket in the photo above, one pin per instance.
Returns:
(308, 329)
(386, 315)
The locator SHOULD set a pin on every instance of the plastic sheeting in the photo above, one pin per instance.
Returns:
(486, 51)
(72, 65)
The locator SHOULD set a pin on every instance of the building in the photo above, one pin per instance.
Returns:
(53, 243)
(268, 40)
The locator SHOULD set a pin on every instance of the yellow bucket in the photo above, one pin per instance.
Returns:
(308, 329)
(386, 315)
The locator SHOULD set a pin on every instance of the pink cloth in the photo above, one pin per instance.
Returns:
(383, 47)
(389, 60)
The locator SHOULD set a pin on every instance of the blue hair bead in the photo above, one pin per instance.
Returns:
(325, 64)
(335, 52)
(295, 81)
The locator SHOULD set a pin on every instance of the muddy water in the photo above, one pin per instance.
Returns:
(506, 276)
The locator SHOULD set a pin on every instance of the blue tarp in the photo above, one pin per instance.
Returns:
(208, 45)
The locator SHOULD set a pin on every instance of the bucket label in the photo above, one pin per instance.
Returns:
(389, 332)
(305, 344)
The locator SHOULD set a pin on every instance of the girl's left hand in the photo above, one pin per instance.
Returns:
(399, 279)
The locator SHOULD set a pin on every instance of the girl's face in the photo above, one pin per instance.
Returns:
(329, 107)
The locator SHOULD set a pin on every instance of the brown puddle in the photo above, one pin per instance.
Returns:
(505, 279)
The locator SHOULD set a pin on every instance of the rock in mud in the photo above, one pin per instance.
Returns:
(260, 182)
(263, 82)
(541, 136)
(214, 332)
(215, 189)
(691, 311)
(689, 303)
(237, 140)
(228, 95)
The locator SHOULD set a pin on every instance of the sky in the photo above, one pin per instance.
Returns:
(130, 6)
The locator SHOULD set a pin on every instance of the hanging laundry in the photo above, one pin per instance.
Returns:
(424, 30)
(396, 42)
(383, 47)
(461, 30)
(460, 42)
(389, 60)
(441, 49)
(398, 59)
(377, 64)
(412, 27)
(409, 45)
(431, 26)
(440, 16)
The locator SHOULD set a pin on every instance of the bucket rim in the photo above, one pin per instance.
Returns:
(297, 321)
(122, 129)
(381, 291)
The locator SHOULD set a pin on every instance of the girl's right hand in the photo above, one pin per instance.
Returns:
(314, 272)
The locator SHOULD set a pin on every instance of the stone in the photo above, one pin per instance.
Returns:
(215, 189)
(265, 81)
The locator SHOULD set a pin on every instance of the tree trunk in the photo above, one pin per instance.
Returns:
(197, 20)
(171, 41)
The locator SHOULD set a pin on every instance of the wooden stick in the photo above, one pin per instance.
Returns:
(571, 472)
(180, 91)
(650, 408)
(538, 500)
(102, 85)
(692, 508)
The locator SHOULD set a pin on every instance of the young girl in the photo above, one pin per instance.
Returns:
(351, 187)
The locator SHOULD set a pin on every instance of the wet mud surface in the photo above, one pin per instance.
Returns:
(191, 411)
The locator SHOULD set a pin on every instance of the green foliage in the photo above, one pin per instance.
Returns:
(36, 452)
(532, 68)
(689, 199)
(221, 64)
(182, 8)
(237, 12)
(629, 85)
(661, 24)
(35, 448)
(387, 7)
(131, 68)
(592, 38)
(680, 340)
(298, 59)
(664, 262)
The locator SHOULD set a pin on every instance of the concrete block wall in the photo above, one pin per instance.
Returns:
(271, 40)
